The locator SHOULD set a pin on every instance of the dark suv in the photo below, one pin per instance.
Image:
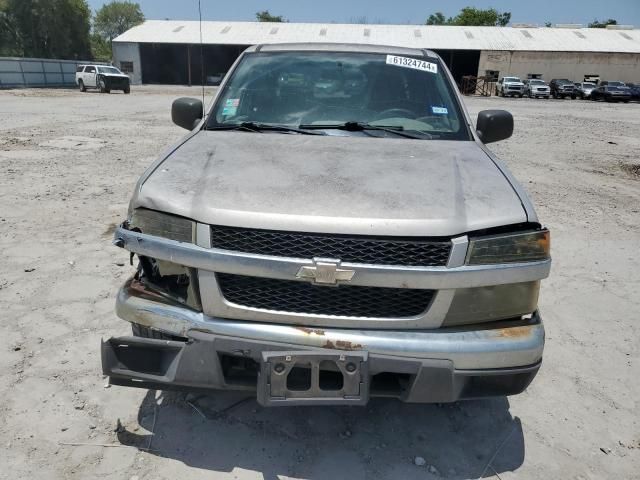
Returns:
(562, 88)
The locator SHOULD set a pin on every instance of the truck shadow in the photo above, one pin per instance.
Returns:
(226, 431)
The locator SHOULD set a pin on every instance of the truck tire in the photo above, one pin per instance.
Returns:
(102, 85)
(146, 332)
(81, 85)
(127, 90)
(573, 97)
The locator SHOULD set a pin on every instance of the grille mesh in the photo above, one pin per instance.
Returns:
(353, 249)
(344, 300)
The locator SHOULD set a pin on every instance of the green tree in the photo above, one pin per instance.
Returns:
(9, 40)
(598, 24)
(117, 17)
(100, 48)
(47, 28)
(477, 17)
(471, 16)
(265, 16)
(437, 18)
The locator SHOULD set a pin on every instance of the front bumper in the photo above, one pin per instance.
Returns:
(540, 93)
(514, 90)
(440, 365)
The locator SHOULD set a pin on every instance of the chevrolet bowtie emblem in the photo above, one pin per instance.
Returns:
(325, 271)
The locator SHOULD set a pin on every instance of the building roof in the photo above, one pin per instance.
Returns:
(409, 36)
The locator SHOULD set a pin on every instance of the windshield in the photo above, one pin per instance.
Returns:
(109, 70)
(589, 85)
(616, 84)
(511, 79)
(333, 88)
(536, 82)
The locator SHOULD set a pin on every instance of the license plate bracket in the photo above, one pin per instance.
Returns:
(313, 378)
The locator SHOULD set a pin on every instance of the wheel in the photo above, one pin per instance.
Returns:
(573, 97)
(625, 101)
(146, 332)
(102, 86)
(520, 96)
(81, 85)
(502, 94)
(127, 90)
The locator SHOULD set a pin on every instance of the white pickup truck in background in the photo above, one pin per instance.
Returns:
(103, 77)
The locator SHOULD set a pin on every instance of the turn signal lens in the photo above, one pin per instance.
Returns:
(514, 248)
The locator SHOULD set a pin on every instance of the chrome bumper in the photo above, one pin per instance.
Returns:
(471, 348)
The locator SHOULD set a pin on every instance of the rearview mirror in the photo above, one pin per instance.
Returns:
(186, 112)
(494, 125)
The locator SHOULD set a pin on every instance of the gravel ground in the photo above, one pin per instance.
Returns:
(68, 164)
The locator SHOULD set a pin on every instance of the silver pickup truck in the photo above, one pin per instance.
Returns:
(333, 228)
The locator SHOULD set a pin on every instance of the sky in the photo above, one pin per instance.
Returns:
(390, 11)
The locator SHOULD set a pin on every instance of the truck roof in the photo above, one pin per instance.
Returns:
(341, 47)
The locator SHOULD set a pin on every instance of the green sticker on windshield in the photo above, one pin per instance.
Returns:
(231, 106)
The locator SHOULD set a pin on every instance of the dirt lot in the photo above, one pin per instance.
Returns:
(68, 163)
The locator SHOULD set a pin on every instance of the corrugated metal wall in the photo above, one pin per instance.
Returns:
(38, 72)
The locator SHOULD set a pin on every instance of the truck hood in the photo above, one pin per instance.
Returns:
(517, 84)
(332, 184)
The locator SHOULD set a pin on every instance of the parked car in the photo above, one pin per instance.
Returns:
(611, 92)
(634, 89)
(609, 83)
(562, 88)
(536, 88)
(103, 77)
(583, 90)
(323, 246)
(510, 87)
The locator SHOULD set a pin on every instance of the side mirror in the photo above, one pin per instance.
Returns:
(186, 112)
(494, 125)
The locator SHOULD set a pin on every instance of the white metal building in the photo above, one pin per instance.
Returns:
(168, 51)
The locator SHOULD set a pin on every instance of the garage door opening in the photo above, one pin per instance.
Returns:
(461, 62)
(179, 64)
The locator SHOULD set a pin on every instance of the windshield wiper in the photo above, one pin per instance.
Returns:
(360, 127)
(259, 127)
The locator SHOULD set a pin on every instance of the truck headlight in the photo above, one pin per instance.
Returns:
(162, 225)
(512, 248)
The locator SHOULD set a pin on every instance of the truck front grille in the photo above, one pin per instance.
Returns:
(417, 251)
(343, 301)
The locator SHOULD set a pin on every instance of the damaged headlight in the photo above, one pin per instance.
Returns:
(173, 281)
(162, 225)
(176, 282)
(511, 248)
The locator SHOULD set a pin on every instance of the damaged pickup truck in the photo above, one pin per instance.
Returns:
(332, 229)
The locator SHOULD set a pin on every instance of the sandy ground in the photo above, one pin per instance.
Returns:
(68, 163)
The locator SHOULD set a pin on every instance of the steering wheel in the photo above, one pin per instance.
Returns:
(395, 112)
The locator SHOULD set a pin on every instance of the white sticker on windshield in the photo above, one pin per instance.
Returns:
(439, 110)
(412, 63)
